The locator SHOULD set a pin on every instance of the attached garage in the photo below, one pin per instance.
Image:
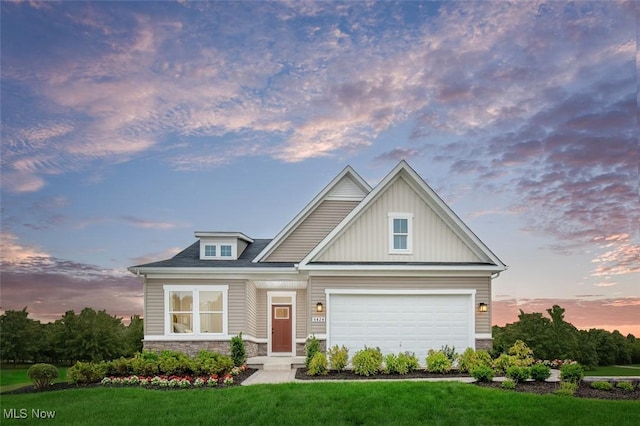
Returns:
(399, 321)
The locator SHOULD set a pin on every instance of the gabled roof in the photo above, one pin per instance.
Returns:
(429, 195)
(339, 188)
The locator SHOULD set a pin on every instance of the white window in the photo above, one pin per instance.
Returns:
(196, 310)
(225, 250)
(400, 233)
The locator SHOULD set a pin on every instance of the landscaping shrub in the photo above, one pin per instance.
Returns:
(450, 353)
(120, 367)
(626, 385)
(567, 389)
(522, 353)
(601, 385)
(471, 358)
(338, 357)
(84, 373)
(174, 363)
(437, 362)
(410, 359)
(238, 350)
(502, 363)
(540, 372)
(393, 366)
(518, 374)
(367, 361)
(311, 347)
(509, 384)
(42, 375)
(144, 364)
(211, 363)
(482, 373)
(571, 373)
(318, 365)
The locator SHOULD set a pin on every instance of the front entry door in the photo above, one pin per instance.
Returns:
(281, 339)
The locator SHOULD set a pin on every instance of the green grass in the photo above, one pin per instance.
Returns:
(15, 377)
(615, 370)
(404, 402)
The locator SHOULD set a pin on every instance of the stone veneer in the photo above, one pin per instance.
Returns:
(192, 347)
(485, 344)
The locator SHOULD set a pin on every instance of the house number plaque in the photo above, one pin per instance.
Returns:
(317, 319)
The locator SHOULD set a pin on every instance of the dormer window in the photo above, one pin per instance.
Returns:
(400, 233)
(225, 250)
(210, 250)
(222, 245)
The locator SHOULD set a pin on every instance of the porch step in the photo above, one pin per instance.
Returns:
(268, 363)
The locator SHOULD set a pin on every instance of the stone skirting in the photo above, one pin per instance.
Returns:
(192, 347)
(485, 344)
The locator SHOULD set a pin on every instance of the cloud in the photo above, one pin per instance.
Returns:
(156, 256)
(142, 223)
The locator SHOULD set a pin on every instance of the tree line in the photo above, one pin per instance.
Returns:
(88, 336)
(554, 338)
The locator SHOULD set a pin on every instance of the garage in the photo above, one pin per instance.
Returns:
(400, 321)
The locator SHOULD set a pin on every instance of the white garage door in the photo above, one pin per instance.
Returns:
(398, 323)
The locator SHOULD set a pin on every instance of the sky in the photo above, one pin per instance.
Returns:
(127, 126)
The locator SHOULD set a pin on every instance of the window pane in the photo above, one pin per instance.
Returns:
(181, 301)
(225, 250)
(400, 226)
(210, 301)
(182, 323)
(209, 250)
(211, 323)
(400, 242)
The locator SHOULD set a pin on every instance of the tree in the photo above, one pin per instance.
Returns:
(563, 336)
(18, 336)
(133, 336)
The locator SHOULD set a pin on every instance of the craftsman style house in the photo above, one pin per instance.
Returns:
(390, 266)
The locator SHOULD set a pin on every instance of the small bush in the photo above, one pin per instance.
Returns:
(120, 367)
(540, 372)
(392, 365)
(338, 357)
(482, 373)
(42, 375)
(450, 353)
(211, 363)
(571, 373)
(238, 350)
(567, 389)
(471, 359)
(503, 362)
(145, 364)
(311, 347)
(522, 353)
(367, 361)
(84, 373)
(437, 362)
(410, 360)
(601, 385)
(318, 365)
(626, 385)
(509, 384)
(518, 374)
(174, 363)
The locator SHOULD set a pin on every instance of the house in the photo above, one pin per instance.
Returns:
(390, 266)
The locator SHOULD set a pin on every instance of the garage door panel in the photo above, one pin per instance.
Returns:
(398, 323)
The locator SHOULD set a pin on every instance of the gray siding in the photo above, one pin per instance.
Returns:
(366, 238)
(311, 231)
(153, 308)
(482, 285)
(301, 314)
(261, 314)
(251, 308)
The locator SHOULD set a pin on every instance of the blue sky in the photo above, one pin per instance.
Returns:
(126, 126)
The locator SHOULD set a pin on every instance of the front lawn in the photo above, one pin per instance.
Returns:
(615, 370)
(321, 403)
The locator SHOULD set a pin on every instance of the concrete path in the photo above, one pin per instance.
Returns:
(271, 376)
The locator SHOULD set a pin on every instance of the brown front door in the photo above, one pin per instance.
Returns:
(281, 328)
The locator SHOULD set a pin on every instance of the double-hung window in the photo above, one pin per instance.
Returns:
(400, 233)
(196, 310)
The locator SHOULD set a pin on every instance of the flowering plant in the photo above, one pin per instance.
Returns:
(228, 380)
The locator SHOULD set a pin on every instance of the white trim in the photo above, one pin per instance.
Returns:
(209, 234)
(195, 289)
(459, 227)
(409, 217)
(178, 272)
(484, 336)
(270, 296)
(398, 267)
(286, 231)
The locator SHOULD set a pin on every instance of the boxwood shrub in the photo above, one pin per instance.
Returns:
(482, 373)
(602, 385)
(367, 361)
(571, 373)
(42, 375)
(540, 372)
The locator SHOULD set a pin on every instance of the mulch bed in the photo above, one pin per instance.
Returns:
(584, 389)
(237, 380)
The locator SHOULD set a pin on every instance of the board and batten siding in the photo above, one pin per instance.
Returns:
(311, 231)
(154, 303)
(366, 239)
(482, 285)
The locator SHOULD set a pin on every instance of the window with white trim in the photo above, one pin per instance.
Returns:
(210, 250)
(400, 233)
(225, 250)
(196, 310)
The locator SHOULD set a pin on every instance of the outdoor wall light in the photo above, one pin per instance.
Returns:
(319, 307)
(483, 307)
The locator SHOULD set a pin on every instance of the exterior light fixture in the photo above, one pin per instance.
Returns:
(483, 307)
(319, 307)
